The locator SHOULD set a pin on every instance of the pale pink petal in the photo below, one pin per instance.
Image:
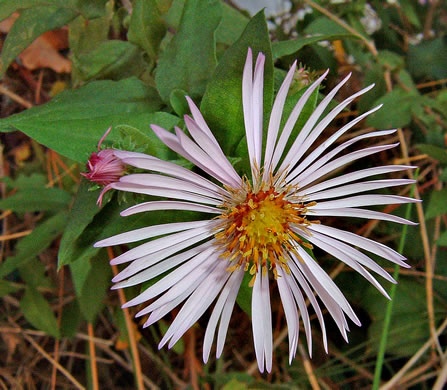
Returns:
(353, 176)
(290, 311)
(174, 170)
(257, 106)
(321, 148)
(297, 148)
(361, 213)
(362, 242)
(169, 205)
(200, 121)
(161, 243)
(363, 200)
(291, 121)
(310, 175)
(211, 149)
(149, 232)
(275, 120)
(160, 181)
(358, 188)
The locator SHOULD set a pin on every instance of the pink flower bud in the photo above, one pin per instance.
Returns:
(103, 167)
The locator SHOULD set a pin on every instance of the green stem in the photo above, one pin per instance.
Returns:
(389, 308)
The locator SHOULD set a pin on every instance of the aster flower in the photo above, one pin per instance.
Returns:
(260, 225)
(103, 167)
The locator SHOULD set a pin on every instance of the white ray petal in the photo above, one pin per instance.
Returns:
(342, 252)
(211, 149)
(217, 311)
(177, 293)
(361, 213)
(258, 322)
(227, 310)
(174, 170)
(297, 148)
(165, 182)
(196, 304)
(169, 205)
(310, 175)
(161, 243)
(315, 133)
(204, 161)
(321, 148)
(267, 323)
(362, 242)
(298, 296)
(290, 311)
(275, 120)
(363, 200)
(163, 192)
(357, 188)
(200, 262)
(153, 258)
(157, 269)
(257, 107)
(297, 273)
(247, 104)
(353, 176)
(149, 232)
(331, 304)
(291, 121)
(198, 118)
(327, 283)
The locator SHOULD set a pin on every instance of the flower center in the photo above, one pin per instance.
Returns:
(257, 230)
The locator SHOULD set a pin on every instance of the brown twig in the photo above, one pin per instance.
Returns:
(130, 329)
(393, 382)
(15, 97)
(93, 365)
(369, 44)
(426, 246)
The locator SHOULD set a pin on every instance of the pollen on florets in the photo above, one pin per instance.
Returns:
(256, 227)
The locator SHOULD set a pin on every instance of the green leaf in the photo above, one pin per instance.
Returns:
(73, 121)
(82, 213)
(38, 312)
(289, 47)
(88, 8)
(232, 25)
(245, 293)
(36, 199)
(146, 28)
(234, 384)
(115, 60)
(84, 35)
(34, 243)
(7, 288)
(396, 110)
(29, 25)
(33, 273)
(91, 278)
(178, 102)
(435, 152)
(222, 103)
(442, 240)
(145, 139)
(71, 319)
(437, 205)
(405, 335)
(428, 58)
(189, 59)
(229, 29)
(390, 60)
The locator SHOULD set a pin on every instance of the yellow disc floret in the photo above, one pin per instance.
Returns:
(257, 230)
